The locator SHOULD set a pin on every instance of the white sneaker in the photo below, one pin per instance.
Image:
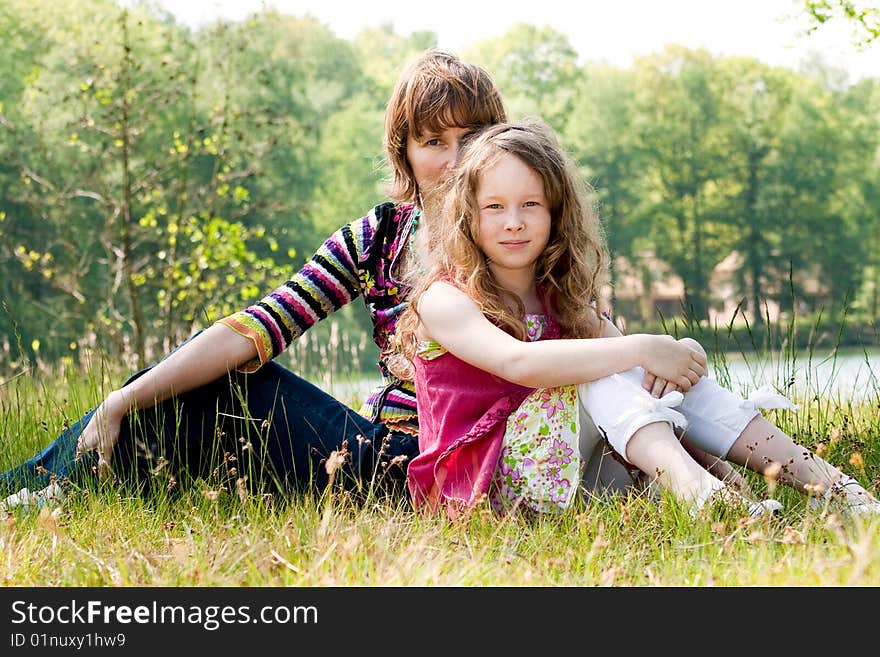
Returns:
(51, 494)
(735, 499)
(768, 507)
(848, 495)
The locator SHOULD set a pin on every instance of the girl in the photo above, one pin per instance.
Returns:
(508, 347)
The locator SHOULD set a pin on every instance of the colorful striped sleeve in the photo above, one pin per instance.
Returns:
(327, 282)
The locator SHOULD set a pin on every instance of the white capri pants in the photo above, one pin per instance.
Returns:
(712, 416)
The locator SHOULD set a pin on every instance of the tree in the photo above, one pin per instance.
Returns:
(819, 237)
(865, 19)
(150, 154)
(601, 137)
(535, 69)
(22, 39)
(678, 123)
(755, 98)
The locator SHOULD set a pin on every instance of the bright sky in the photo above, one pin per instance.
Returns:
(612, 30)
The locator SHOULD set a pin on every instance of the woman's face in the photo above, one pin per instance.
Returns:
(432, 157)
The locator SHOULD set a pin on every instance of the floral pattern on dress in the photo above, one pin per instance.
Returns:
(535, 326)
(539, 465)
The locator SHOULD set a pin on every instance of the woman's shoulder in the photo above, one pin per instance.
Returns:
(391, 211)
(381, 217)
(384, 222)
(377, 234)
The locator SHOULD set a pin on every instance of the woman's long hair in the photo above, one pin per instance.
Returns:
(569, 272)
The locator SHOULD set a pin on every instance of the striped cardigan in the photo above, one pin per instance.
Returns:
(359, 259)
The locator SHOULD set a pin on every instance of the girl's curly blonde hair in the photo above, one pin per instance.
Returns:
(569, 272)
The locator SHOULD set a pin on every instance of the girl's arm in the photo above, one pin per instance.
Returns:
(656, 385)
(452, 319)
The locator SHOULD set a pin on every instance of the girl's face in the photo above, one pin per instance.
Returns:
(514, 217)
(432, 157)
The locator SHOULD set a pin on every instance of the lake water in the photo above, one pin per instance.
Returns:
(848, 374)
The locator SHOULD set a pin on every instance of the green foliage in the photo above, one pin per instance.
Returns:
(678, 100)
(600, 135)
(535, 69)
(154, 178)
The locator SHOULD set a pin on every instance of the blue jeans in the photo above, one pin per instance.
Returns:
(272, 426)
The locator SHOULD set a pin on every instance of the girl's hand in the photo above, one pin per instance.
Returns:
(693, 344)
(675, 361)
(659, 386)
(101, 433)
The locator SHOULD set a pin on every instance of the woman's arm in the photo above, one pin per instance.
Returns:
(209, 355)
(325, 283)
(452, 319)
(245, 340)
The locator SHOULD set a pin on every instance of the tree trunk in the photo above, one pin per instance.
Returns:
(137, 316)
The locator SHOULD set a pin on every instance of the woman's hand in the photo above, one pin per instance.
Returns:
(102, 431)
(671, 364)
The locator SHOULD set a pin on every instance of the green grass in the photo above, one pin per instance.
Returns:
(211, 534)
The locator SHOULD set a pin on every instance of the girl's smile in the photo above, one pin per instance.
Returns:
(514, 217)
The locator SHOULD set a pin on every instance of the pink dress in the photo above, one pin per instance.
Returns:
(479, 435)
